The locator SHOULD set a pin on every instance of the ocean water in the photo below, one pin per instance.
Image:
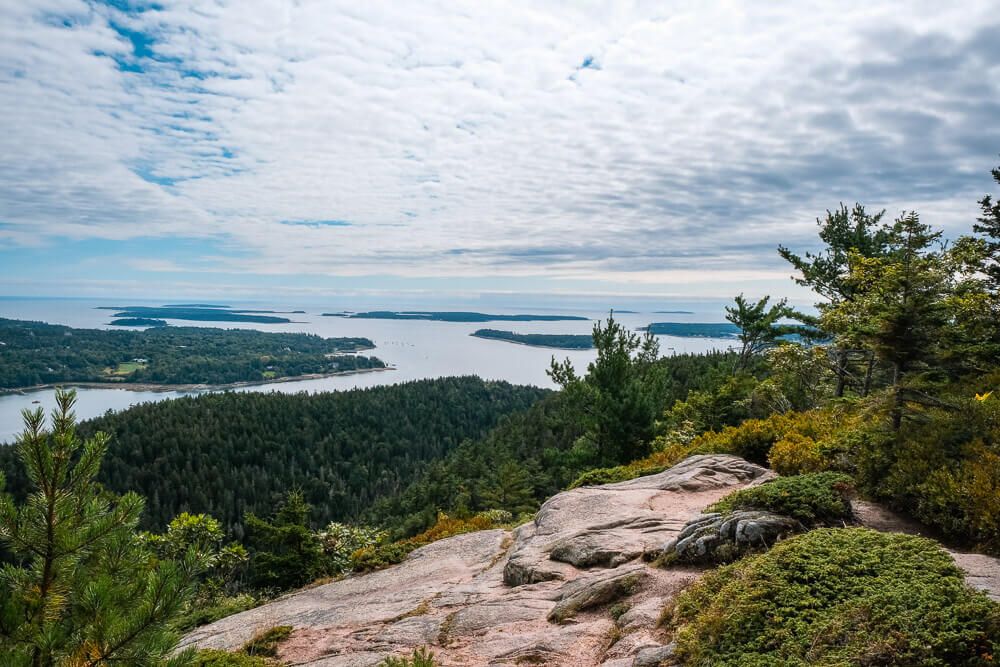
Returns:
(415, 349)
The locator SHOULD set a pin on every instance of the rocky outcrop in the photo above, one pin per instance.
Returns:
(715, 538)
(569, 588)
(540, 595)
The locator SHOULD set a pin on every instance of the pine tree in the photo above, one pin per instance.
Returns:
(285, 552)
(83, 589)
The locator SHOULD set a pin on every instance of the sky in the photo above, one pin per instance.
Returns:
(460, 150)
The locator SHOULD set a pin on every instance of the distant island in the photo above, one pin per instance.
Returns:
(452, 316)
(196, 313)
(694, 329)
(674, 312)
(138, 322)
(34, 354)
(559, 341)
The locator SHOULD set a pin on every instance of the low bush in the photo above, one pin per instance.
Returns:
(795, 454)
(847, 596)
(815, 498)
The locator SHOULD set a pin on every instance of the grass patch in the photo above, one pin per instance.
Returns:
(814, 498)
(837, 596)
(125, 368)
(420, 657)
(265, 642)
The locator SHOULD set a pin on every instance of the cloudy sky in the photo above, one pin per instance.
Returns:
(313, 148)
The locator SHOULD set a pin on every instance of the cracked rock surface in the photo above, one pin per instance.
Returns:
(487, 598)
(570, 588)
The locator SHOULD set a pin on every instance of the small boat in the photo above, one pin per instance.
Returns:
(35, 402)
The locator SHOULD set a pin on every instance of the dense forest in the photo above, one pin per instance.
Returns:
(33, 353)
(231, 453)
(559, 341)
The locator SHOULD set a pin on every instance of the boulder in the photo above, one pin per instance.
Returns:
(712, 538)
(598, 589)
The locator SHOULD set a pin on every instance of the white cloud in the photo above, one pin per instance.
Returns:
(470, 140)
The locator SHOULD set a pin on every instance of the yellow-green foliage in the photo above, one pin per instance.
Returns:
(795, 454)
(375, 557)
(837, 596)
(943, 467)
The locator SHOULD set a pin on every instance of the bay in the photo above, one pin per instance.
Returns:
(415, 349)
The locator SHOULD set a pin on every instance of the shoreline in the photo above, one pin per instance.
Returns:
(162, 388)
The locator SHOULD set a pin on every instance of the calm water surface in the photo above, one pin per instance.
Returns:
(416, 350)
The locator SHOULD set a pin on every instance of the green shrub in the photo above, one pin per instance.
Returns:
(200, 614)
(814, 498)
(266, 642)
(795, 454)
(421, 658)
(847, 596)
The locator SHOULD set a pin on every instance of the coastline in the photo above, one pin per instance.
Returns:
(156, 387)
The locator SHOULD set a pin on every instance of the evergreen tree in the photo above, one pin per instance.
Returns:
(899, 307)
(759, 326)
(847, 235)
(83, 589)
(508, 487)
(620, 397)
(285, 552)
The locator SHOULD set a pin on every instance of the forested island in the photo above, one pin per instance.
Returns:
(694, 329)
(558, 341)
(196, 313)
(138, 322)
(452, 316)
(35, 353)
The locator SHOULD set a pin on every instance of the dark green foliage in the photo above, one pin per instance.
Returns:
(846, 234)
(83, 589)
(758, 326)
(37, 353)
(619, 398)
(562, 341)
(813, 498)
(285, 553)
(832, 597)
(232, 453)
